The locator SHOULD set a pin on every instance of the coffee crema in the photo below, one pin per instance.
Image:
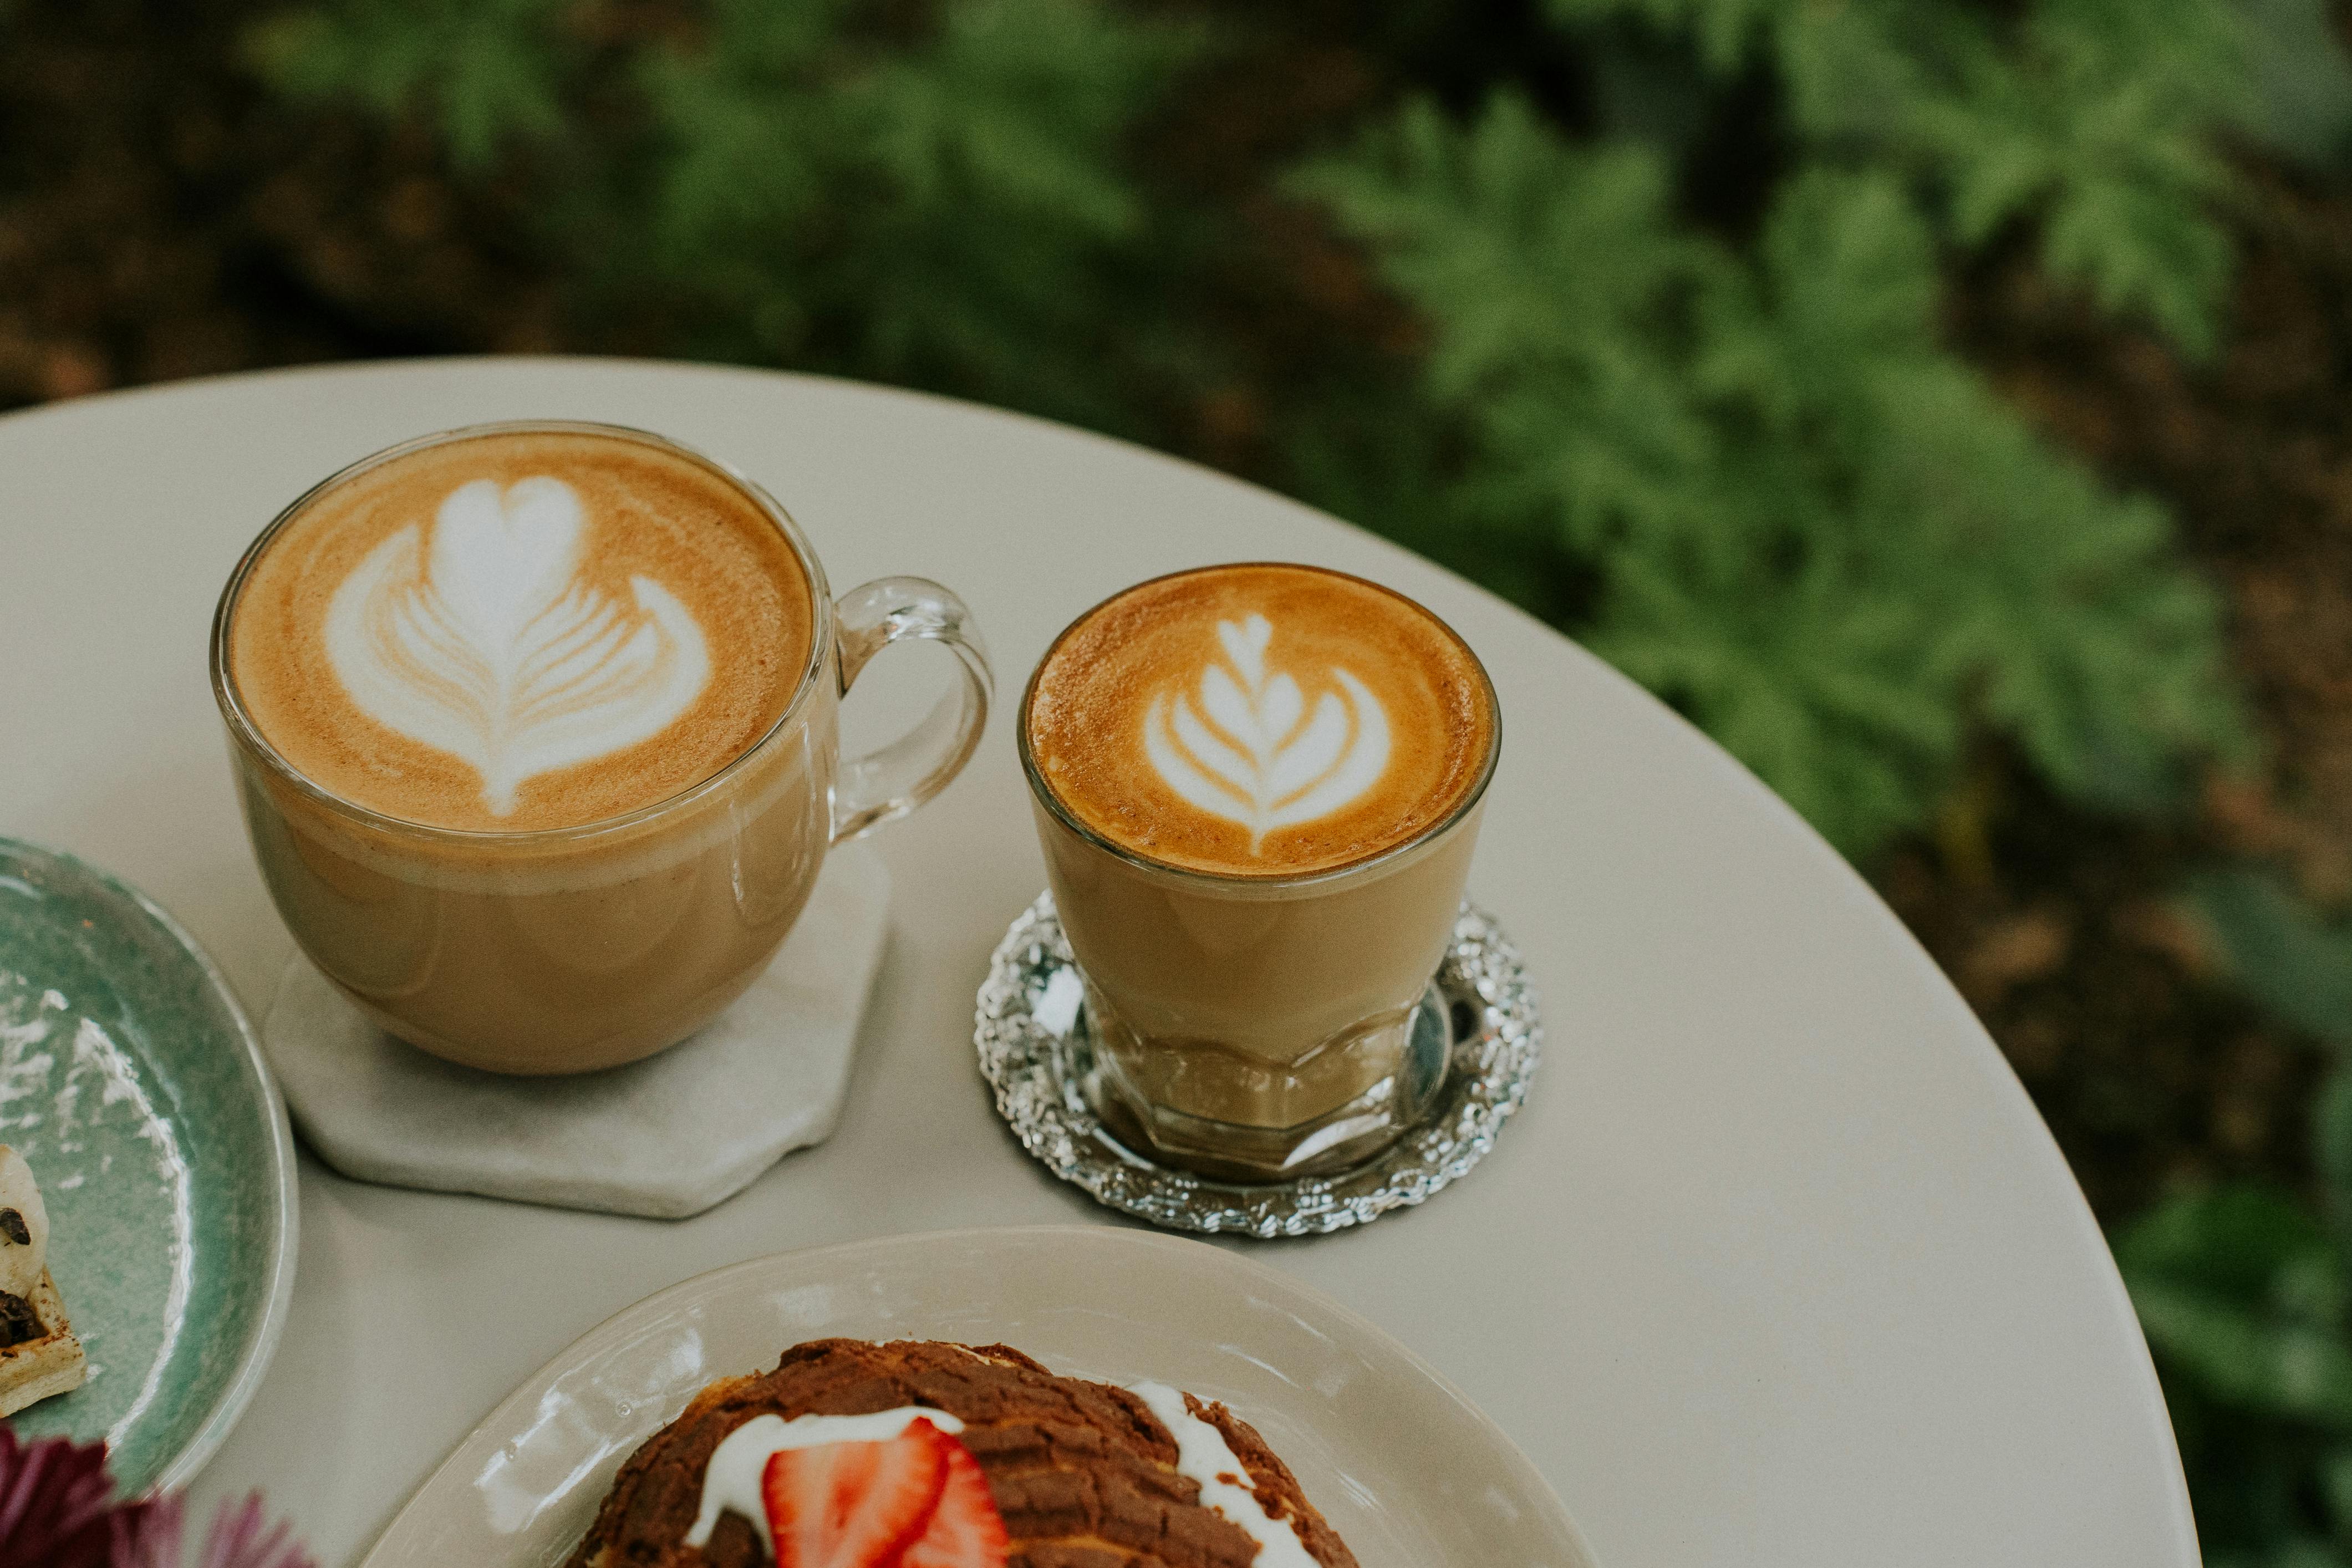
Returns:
(520, 631)
(1259, 720)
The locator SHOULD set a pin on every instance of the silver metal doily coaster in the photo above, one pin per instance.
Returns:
(1028, 1028)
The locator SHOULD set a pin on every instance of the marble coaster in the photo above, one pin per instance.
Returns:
(666, 1138)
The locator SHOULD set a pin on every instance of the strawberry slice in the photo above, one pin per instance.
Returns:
(852, 1505)
(965, 1529)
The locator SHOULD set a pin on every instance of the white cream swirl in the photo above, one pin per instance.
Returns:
(21, 1262)
(1203, 1453)
(1251, 753)
(481, 640)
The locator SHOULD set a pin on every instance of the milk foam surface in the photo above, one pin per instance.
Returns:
(522, 631)
(1259, 719)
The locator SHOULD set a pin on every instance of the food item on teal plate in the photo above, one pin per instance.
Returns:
(922, 1454)
(38, 1354)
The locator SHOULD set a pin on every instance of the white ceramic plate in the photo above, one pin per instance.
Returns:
(1406, 1470)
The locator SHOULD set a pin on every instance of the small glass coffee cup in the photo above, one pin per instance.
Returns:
(1259, 1027)
(589, 944)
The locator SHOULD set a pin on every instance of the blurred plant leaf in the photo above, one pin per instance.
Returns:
(2244, 1359)
(954, 212)
(1811, 528)
(492, 73)
(2303, 1552)
(2335, 1487)
(2098, 121)
(2301, 104)
(2293, 962)
(942, 198)
(2231, 1242)
(1724, 30)
(2331, 1121)
(2091, 120)
(2244, 1293)
(1537, 269)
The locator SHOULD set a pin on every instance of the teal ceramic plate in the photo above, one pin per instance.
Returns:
(130, 1080)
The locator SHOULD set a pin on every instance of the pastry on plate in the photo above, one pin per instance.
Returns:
(38, 1354)
(921, 1454)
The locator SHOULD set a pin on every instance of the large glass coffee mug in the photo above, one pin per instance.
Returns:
(585, 946)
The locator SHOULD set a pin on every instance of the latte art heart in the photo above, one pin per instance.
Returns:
(481, 638)
(1250, 752)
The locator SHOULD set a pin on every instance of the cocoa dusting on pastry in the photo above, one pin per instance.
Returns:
(13, 1226)
(1083, 1473)
(19, 1322)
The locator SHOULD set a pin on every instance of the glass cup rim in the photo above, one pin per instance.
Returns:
(248, 735)
(1273, 882)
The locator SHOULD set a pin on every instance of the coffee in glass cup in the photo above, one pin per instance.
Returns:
(534, 727)
(1257, 788)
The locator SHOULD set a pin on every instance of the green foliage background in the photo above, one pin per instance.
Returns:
(1709, 422)
(1737, 457)
(2245, 1290)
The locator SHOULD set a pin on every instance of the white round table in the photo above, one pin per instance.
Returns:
(1777, 1267)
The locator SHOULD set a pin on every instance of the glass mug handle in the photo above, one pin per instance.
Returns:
(885, 784)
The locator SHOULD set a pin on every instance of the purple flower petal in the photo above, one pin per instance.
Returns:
(147, 1534)
(236, 1541)
(55, 1513)
(54, 1504)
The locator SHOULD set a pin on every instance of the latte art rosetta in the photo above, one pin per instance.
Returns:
(481, 638)
(1251, 753)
